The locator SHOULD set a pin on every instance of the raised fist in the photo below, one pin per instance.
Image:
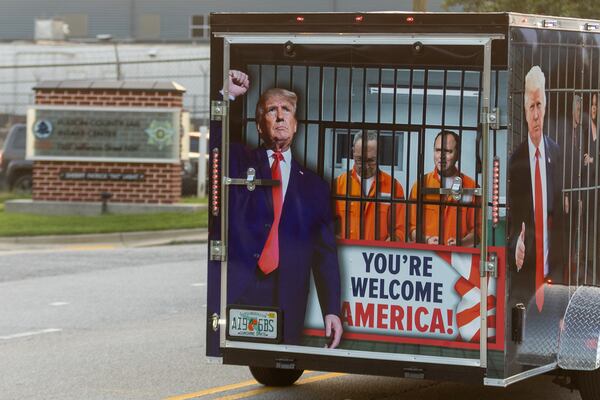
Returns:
(238, 83)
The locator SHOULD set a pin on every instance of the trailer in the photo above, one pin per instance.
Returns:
(437, 215)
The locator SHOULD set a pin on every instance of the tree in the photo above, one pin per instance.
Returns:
(563, 8)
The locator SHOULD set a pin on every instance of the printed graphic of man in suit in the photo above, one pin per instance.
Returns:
(536, 254)
(279, 234)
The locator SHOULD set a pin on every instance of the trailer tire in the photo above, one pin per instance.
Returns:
(589, 384)
(275, 376)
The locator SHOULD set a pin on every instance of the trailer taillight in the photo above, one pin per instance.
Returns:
(359, 18)
(496, 192)
(299, 18)
(214, 171)
(410, 20)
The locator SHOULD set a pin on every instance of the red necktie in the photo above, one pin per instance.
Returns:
(269, 258)
(539, 235)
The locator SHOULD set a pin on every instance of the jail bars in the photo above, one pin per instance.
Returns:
(343, 111)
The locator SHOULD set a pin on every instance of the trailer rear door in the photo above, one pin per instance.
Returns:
(402, 296)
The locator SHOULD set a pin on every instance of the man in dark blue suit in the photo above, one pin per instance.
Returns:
(536, 253)
(278, 235)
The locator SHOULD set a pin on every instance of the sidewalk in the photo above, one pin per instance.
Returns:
(120, 239)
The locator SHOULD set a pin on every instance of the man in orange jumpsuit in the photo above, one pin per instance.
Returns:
(381, 218)
(457, 222)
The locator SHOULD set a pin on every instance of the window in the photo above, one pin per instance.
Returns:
(199, 28)
(390, 148)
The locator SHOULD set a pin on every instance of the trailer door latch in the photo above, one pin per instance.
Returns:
(218, 252)
(490, 266)
(456, 190)
(251, 182)
(493, 118)
(218, 110)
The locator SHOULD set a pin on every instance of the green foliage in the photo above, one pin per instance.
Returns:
(562, 8)
(32, 225)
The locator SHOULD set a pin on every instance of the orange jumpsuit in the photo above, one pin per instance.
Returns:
(431, 220)
(371, 208)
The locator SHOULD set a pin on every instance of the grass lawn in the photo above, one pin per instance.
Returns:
(31, 225)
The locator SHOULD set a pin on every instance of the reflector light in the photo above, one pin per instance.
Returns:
(496, 192)
(215, 182)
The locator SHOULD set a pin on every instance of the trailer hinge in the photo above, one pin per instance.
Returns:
(218, 252)
(490, 266)
(493, 118)
(214, 322)
(218, 110)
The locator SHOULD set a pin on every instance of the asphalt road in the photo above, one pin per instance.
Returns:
(114, 323)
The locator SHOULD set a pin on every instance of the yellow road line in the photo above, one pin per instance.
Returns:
(213, 390)
(255, 392)
(249, 393)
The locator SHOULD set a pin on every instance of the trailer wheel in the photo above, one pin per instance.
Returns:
(589, 384)
(275, 376)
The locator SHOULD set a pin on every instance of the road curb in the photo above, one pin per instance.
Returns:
(125, 239)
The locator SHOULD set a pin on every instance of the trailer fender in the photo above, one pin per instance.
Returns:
(541, 335)
(578, 347)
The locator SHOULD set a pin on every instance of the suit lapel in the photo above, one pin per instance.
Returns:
(292, 195)
(263, 170)
(549, 176)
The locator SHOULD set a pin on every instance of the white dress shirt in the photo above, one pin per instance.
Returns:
(542, 162)
(285, 166)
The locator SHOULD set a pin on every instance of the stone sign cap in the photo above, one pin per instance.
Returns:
(114, 85)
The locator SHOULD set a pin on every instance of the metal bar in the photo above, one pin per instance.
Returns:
(384, 126)
(376, 181)
(363, 39)
(442, 199)
(394, 195)
(587, 220)
(349, 150)
(481, 116)
(519, 377)
(363, 151)
(596, 207)
(485, 108)
(567, 181)
(260, 90)
(469, 362)
(224, 190)
(333, 136)
(458, 208)
(320, 147)
(306, 119)
(420, 168)
(494, 144)
(577, 157)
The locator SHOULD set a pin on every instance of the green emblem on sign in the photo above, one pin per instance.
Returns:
(160, 133)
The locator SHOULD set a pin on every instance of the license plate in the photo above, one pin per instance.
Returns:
(256, 324)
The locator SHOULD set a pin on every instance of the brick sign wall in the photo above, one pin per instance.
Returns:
(128, 182)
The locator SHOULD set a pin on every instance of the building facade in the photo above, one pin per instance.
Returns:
(164, 20)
